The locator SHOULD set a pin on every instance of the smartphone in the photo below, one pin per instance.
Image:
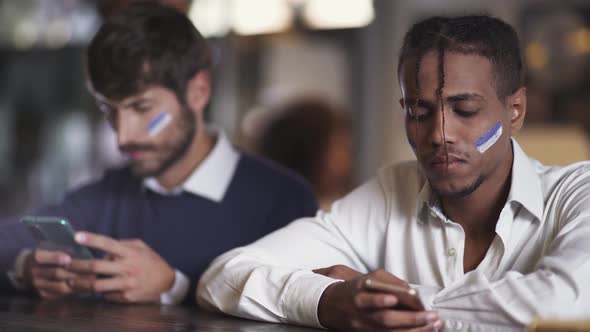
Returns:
(408, 297)
(56, 234)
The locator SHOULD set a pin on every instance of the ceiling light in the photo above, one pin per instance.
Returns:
(251, 17)
(338, 14)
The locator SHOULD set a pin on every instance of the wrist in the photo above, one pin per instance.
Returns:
(178, 292)
(169, 278)
(27, 275)
(325, 305)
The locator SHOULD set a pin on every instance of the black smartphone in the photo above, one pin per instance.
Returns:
(408, 297)
(56, 234)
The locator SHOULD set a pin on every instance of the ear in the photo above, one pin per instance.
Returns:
(517, 108)
(402, 103)
(198, 91)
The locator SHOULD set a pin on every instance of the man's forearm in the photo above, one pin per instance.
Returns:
(242, 285)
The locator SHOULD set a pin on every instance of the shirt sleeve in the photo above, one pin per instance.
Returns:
(177, 293)
(558, 285)
(272, 279)
(17, 274)
(15, 237)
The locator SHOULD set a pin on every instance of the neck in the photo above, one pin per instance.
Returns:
(479, 211)
(197, 151)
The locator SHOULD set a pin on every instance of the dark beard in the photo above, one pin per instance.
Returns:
(463, 192)
(189, 130)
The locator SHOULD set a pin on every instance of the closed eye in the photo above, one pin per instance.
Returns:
(466, 113)
(142, 108)
(418, 113)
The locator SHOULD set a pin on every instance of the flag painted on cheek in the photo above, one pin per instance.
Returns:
(485, 141)
(158, 123)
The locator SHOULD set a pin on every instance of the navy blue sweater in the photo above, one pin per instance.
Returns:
(188, 231)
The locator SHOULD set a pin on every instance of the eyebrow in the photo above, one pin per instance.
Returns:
(465, 97)
(136, 102)
(421, 103)
(450, 99)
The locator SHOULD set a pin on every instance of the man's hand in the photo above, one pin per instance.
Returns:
(135, 272)
(350, 306)
(47, 272)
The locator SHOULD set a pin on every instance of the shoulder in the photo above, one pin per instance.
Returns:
(566, 189)
(118, 180)
(404, 174)
(268, 175)
(84, 204)
(559, 178)
(392, 190)
(272, 190)
(401, 184)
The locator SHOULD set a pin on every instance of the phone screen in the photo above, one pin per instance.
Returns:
(56, 234)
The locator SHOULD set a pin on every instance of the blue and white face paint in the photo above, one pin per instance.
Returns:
(158, 123)
(489, 138)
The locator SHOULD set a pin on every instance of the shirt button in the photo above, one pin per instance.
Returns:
(452, 252)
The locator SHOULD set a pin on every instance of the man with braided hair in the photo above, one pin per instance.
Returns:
(485, 235)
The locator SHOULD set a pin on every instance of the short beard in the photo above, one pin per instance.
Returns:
(189, 130)
(463, 192)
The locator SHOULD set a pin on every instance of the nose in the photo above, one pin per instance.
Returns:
(441, 130)
(125, 126)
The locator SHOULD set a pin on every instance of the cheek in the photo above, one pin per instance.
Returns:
(489, 138)
(159, 123)
(411, 132)
(498, 140)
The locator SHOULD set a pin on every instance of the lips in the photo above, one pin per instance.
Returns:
(137, 154)
(136, 151)
(442, 164)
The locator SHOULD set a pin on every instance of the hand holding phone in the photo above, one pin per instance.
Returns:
(46, 268)
(377, 300)
(56, 234)
(407, 296)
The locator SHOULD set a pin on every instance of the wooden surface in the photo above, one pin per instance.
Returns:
(27, 314)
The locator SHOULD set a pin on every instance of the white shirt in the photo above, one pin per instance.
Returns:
(210, 179)
(537, 265)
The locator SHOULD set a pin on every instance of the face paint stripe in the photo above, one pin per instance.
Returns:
(156, 120)
(158, 123)
(489, 138)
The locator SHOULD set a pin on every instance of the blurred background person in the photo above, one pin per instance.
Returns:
(313, 138)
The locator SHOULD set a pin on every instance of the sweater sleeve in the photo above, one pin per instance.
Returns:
(77, 207)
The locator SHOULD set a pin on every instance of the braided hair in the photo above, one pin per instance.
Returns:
(474, 34)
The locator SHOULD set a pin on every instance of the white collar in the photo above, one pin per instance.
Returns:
(211, 178)
(525, 187)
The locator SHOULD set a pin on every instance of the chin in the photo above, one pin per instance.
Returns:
(144, 171)
(455, 189)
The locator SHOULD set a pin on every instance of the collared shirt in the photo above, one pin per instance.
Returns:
(210, 179)
(537, 265)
